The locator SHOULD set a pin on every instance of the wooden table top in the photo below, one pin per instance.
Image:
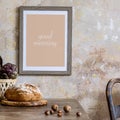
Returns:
(37, 113)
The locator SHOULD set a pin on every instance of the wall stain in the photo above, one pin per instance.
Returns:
(91, 79)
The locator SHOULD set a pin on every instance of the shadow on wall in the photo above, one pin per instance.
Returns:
(116, 94)
(17, 16)
(101, 111)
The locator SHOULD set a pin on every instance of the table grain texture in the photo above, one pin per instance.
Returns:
(37, 113)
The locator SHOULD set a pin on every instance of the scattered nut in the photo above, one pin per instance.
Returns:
(47, 112)
(67, 108)
(78, 114)
(59, 114)
(55, 107)
(51, 112)
(60, 111)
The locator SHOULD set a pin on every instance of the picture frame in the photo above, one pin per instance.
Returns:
(45, 41)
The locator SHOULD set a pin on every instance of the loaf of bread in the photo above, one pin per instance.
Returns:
(23, 93)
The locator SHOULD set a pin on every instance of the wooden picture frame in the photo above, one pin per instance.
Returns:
(45, 44)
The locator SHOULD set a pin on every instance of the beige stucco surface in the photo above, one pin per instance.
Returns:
(95, 50)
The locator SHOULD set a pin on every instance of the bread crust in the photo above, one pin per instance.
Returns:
(23, 93)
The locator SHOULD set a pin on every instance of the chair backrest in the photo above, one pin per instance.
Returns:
(114, 110)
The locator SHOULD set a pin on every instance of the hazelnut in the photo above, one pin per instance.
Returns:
(67, 108)
(59, 111)
(51, 112)
(59, 114)
(55, 107)
(47, 112)
(78, 114)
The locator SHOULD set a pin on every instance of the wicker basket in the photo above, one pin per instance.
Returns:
(4, 84)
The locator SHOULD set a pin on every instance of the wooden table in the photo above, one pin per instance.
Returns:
(37, 113)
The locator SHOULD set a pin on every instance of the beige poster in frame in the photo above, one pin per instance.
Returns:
(45, 40)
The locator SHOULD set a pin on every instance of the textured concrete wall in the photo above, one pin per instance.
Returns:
(96, 50)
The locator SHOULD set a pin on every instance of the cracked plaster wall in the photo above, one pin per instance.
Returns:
(95, 53)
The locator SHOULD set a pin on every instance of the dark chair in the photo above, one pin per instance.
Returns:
(114, 110)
